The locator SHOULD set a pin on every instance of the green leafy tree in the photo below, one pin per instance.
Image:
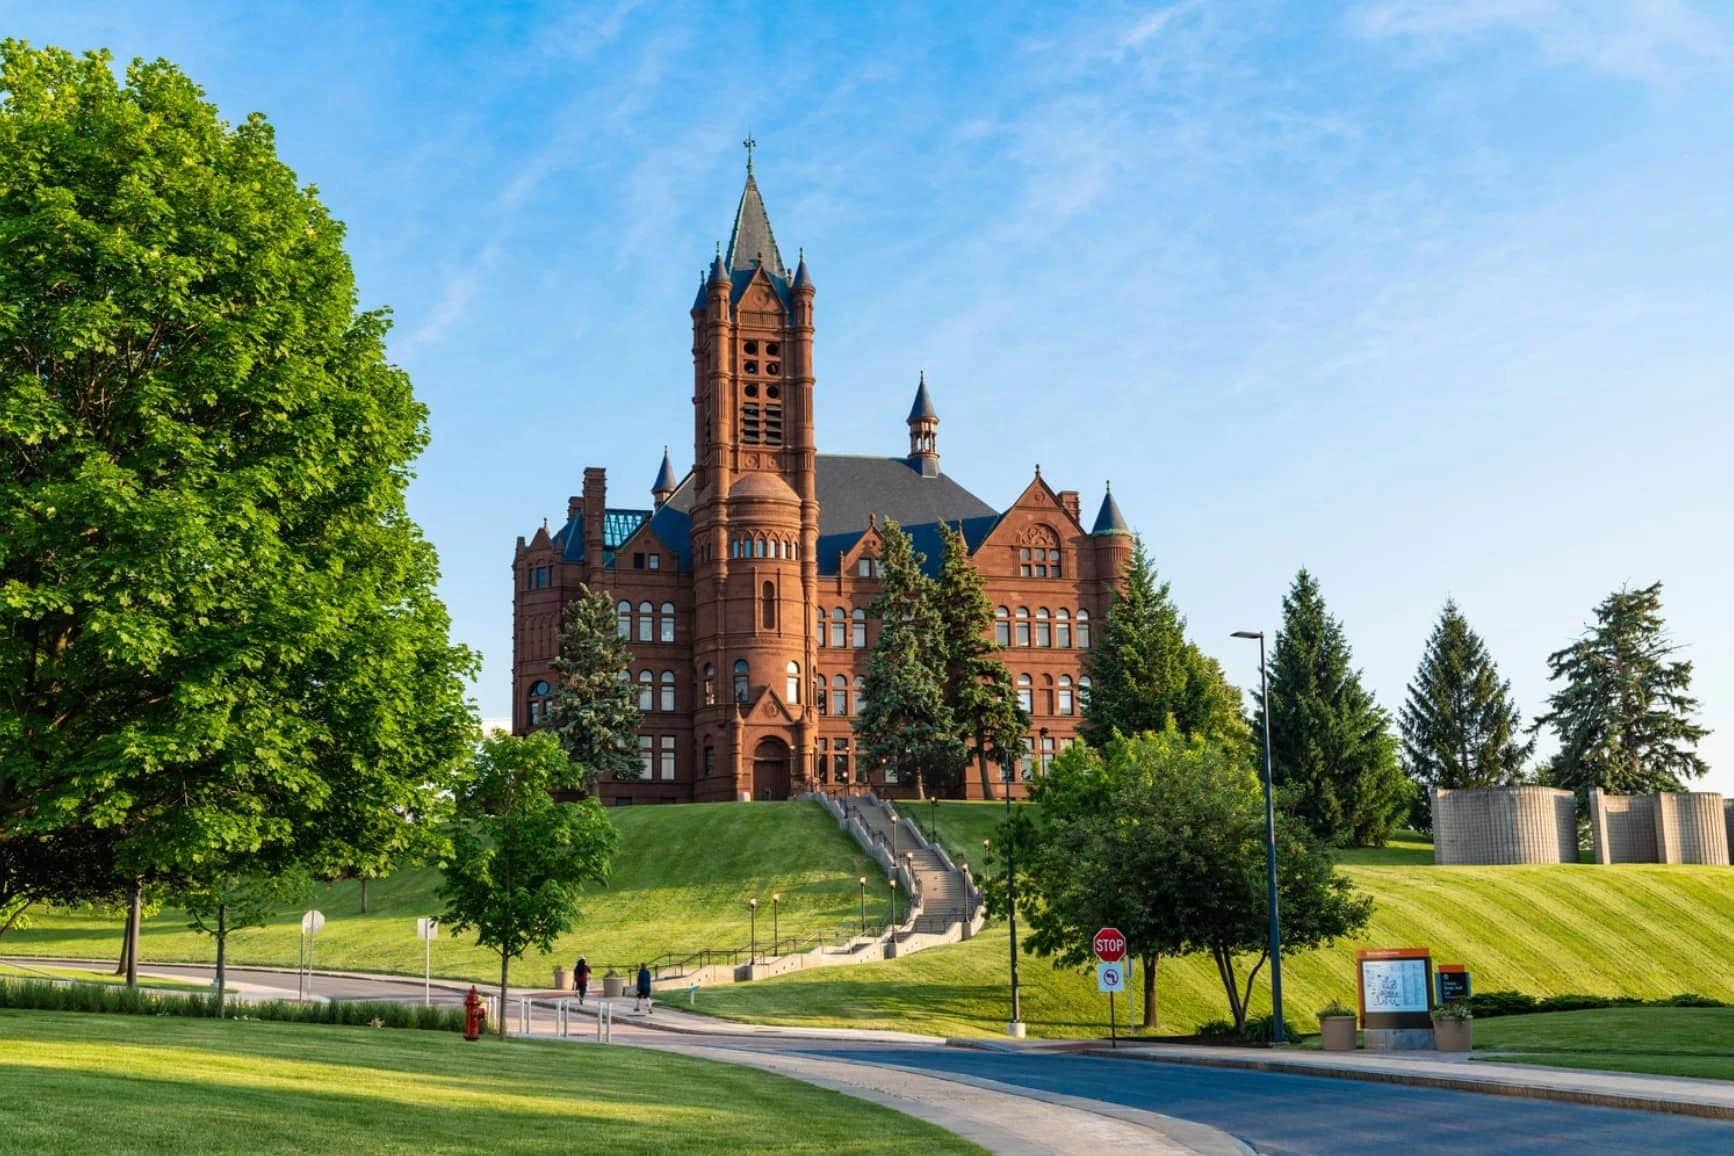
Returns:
(1146, 676)
(231, 900)
(1624, 714)
(519, 860)
(1331, 741)
(1460, 727)
(905, 723)
(593, 711)
(68, 868)
(218, 633)
(978, 687)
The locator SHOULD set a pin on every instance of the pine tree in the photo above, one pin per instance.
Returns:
(1623, 715)
(593, 712)
(905, 724)
(978, 687)
(1330, 741)
(1144, 673)
(1460, 727)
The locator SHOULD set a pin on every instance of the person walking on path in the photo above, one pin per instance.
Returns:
(643, 991)
(581, 977)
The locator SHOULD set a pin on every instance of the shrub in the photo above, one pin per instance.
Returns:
(1336, 1008)
(1258, 1029)
(38, 995)
(1689, 999)
(1215, 1029)
(1501, 1003)
(1455, 1010)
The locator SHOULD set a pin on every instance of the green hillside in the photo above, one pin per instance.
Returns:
(681, 881)
(1629, 930)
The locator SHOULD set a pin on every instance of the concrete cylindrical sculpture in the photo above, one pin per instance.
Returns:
(1501, 825)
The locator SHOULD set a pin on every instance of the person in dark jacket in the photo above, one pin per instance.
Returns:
(643, 992)
(581, 977)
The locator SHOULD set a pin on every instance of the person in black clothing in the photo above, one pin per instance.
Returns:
(643, 991)
(581, 977)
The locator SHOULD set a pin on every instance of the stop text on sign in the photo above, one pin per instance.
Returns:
(1110, 945)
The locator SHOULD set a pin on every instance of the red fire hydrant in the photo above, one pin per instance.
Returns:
(475, 1016)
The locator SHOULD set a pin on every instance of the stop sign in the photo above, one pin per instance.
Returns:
(1110, 945)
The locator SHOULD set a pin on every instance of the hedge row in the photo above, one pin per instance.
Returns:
(1515, 1003)
(37, 995)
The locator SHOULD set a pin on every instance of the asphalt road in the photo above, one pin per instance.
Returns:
(1280, 1113)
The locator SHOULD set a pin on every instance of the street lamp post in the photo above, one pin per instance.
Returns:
(1016, 1027)
(863, 905)
(753, 951)
(1277, 1035)
(776, 927)
(894, 896)
(933, 818)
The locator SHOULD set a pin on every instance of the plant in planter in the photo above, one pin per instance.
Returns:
(1337, 1027)
(1452, 1031)
(613, 987)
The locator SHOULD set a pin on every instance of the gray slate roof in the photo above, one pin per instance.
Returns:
(752, 236)
(665, 476)
(923, 409)
(1109, 519)
(850, 488)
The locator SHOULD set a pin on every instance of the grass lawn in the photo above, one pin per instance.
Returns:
(1638, 929)
(962, 827)
(1672, 1041)
(72, 1083)
(681, 881)
(106, 977)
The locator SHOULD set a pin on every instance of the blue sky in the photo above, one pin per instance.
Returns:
(1431, 297)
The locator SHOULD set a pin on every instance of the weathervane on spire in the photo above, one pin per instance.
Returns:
(749, 144)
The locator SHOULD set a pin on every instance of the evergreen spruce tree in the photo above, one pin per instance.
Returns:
(1145, 675)
(593, 712)
(1460, 727)
(978, 687)
(1330, 741)
(1623, 715)
(905, 724)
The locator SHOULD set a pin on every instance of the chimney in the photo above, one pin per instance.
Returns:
(595, 506)
(1069, 500)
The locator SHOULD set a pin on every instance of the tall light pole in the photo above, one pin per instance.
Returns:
(1277, 1036)
(1042, 756)
(863, 905)
(753, 906)
(776, 927)
(1016, 1027)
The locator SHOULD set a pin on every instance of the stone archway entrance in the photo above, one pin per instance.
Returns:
(771, 770)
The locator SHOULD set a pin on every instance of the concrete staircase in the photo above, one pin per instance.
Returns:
(946, 903)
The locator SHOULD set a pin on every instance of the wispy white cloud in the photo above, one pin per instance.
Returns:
(1645, 40)
(453, 305)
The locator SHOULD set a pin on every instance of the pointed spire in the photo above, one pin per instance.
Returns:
(752, 236)
(803, 279)
(666, 483)
(698, 302)
(718, 270)
(923, 409)
(1109, 519)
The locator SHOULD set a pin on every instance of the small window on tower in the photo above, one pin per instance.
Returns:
(751, 347)
(773, 425)
(772, 349)
(752, 391)
(773, 367)
(752, 367)
(750, 425)
(773, 392)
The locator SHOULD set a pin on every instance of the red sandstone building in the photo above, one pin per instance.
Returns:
(744, 587)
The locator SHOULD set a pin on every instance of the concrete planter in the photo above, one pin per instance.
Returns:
(613, 986)
(562, 982)
(1338, 1033)
(1452, 1035)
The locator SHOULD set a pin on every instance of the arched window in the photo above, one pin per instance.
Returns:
(858, 628)
(821, 628)
(667, 692)
(740, 680)
(768, 606)
(1023, 624)
(839, 635)
(709, 685)
(646, 691)
(1084, 692)
(758, 547)
(1002, 626)
(1083, 630)
(646, 622)
(1067, 702)
(1047, 694)
(839, 696)
(792, 683)
(665, 622)
(539, 701)
(734, 548)
(624, 610)
(1026, 696)
(1044, 634)
(819, 701)
(1063, 628)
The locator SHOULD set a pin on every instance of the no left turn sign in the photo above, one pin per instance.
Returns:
(1110, 977)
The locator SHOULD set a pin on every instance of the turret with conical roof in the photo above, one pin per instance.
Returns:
(666, 483)
(924, 432)
(1108, 518)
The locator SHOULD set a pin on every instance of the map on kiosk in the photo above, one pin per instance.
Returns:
(1394, 985)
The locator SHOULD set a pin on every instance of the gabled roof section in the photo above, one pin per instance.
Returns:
(853, 489)
(752, 237)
